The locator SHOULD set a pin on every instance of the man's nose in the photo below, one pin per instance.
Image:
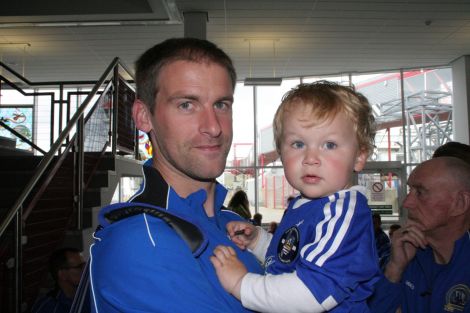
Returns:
(210, 123)
(409, 201)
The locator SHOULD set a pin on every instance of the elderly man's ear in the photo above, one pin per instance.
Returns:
(461, 203)
(142, 116)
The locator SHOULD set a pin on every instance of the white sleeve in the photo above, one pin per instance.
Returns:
(280, 293)
(264, 238)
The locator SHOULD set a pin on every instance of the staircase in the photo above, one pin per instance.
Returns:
(51, 200)
(51, 223)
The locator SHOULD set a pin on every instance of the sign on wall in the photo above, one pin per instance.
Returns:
(20, 119)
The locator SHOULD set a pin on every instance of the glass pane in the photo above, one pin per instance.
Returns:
(273, 188)
(385, 187)
(126, 188)
(428, 102)
(383, 90)
(240, 162)
(383, 182)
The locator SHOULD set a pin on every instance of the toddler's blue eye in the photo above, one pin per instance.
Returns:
(330, 145)
(298, 144)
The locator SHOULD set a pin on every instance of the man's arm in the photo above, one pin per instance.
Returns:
(387, 296)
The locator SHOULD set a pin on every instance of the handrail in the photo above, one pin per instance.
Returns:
(57, 144)
(17, 134)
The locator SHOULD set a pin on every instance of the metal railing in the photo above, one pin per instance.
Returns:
(93, 127)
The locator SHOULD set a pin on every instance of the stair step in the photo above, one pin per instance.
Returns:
(100, 179)
(19, 162)
(45, 226)
(38, 239)
(34, 255)
(46, 214)
(92, 198)
(59, 201)
(15, 178)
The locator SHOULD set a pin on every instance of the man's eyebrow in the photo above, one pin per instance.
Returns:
(194, 97)
(227, 98)
(183, 96)
(419, 186)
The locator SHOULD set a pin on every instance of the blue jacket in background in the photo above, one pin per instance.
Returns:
(427, 286)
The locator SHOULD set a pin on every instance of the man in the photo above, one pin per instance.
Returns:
(428, 269)
(144, 259)
(382, 242)
(66, 266)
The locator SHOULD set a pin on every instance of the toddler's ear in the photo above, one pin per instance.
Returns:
(361, 160)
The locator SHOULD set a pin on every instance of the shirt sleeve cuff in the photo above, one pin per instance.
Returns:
(277, 293)
(264, 238)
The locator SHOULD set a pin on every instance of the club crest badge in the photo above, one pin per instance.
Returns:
(457, 298)
(288, 246)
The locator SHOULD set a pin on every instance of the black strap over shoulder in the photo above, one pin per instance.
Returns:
(189, 232)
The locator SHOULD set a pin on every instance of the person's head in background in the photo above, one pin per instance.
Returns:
(453, 149)
(439, 197)
(66, 266)
(184, 102)
(392, 229)
(377, 220)
(272, 227)
(257, 219)
(324, 132)
(239, 203)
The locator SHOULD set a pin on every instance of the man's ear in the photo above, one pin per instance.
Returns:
(461, 203)
(361, 160)
(142, 116)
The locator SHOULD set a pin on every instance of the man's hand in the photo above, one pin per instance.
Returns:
(243, 234)
(405, 243)
(230, 270)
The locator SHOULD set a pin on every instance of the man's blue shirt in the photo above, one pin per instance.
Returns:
(140, 264)
(427, 286)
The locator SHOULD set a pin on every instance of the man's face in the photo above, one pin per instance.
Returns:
(430, 196)
(75, 265)
(192, 120)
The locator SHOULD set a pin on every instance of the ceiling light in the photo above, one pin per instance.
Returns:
(263, 81)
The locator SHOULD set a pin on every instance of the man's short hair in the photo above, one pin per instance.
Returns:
(453, 149)
(150, 63)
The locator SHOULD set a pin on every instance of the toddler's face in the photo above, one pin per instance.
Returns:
(319, 159)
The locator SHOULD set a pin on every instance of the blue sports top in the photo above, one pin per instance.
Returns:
(427, 286)
(140, 264)
(54, 302)
(329, 243)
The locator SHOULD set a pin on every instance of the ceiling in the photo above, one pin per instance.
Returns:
(56, 40)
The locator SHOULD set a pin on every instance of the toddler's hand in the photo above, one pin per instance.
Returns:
(243, 234)
(230, 270)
